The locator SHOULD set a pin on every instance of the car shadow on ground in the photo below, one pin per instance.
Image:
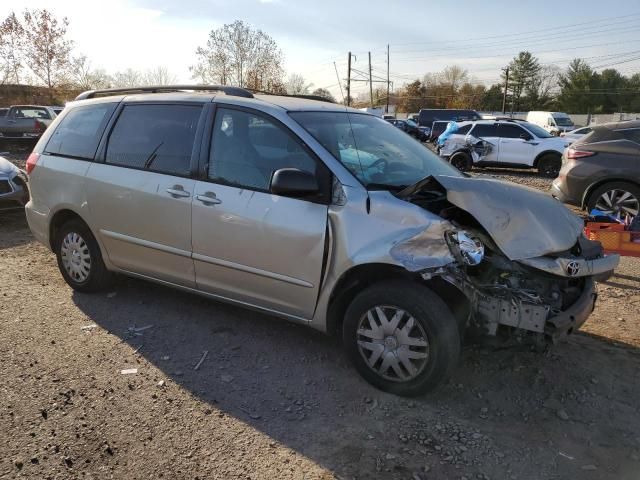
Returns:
(296, 386)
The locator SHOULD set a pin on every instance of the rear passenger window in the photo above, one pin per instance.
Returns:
(510, 131)
(463, 130)
(79, 132)
(154, 137)
(484, 130)
(248, 148)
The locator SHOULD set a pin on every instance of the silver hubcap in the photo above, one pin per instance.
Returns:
(393, 344)
(75, 256)
(618, 203)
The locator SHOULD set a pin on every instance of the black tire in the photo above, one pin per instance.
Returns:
(98, 278)
(462, 161)
(435, 320)
(549, 165)
(608, 187)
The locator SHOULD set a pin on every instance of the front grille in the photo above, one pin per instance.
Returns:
(5, 187)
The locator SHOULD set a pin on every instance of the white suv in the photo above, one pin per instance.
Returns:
(504, 143)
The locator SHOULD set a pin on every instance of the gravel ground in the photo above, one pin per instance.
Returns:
(274, 400)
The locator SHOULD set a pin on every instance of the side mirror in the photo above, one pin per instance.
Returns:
(525, 137)
(292, 182)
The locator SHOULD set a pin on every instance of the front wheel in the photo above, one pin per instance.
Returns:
(619, 199)
(401, 337)
(462, 161)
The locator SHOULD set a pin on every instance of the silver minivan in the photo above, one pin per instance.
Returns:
(313, 212)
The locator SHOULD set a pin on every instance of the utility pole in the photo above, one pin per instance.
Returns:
(504, 95)
(349, 80)
(387, 108)
(370, 83)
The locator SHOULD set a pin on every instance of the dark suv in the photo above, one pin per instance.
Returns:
(602, 170)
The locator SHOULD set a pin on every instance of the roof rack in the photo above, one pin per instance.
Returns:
(234, 91)
(305, 96)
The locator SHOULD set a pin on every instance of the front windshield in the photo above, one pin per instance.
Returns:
(376, 152)
(563, 121)
(536, 130)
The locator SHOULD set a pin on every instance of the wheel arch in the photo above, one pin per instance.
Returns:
(59, 218)
(359, 277)
(542, 154)
(595, 185)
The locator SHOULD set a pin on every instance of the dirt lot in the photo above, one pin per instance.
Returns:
(272, 400)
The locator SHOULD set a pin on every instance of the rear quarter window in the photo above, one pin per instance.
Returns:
(79, 132)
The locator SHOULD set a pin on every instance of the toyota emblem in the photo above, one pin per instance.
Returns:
(573, 268)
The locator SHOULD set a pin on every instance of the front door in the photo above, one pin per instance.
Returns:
(249, 245)
(140, 196)
(516, 145)
(489, 133)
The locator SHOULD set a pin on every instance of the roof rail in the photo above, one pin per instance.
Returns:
(305, 96)
(227, 90)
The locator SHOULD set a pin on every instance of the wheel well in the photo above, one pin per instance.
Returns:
(546, 152)
(360, 277)
(59, 219)
(591, 188)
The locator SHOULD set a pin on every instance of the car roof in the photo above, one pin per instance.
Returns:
(619, 125)
(229, 94)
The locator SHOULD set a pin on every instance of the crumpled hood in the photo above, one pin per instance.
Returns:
(6, 167)
(523, 222)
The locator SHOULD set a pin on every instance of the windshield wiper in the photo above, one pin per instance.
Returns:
(384, 186)
(152, 156)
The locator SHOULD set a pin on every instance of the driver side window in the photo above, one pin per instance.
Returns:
(247, 148)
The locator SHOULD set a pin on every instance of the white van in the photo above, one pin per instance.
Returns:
(553, 122)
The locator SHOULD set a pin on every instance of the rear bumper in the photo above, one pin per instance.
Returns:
(38, 221)
(573, 318)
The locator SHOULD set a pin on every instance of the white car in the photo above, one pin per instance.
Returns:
(576, 134)
(504, 143)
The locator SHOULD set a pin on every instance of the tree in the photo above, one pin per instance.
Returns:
(540, 93)
(297, 85)
(576, 86)
(127, 78)
(469, 96)
(11, 46)
(492, 101)
(453, 77)
(159, 76)
(523, 71)
(46, 49)
(237, 54)
(86, 78)
(412, 97)
(324, 93)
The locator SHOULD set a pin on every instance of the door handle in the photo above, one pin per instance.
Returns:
(178, 191)
(209, 198)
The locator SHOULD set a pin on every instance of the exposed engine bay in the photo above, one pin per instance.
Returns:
(509, 296)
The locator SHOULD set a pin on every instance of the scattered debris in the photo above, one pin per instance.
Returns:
(202, 359)
(90, 327)
(562, 454)
(562, 414)
(161, 383)
(166, 357)
(129, 371)
(226, 378)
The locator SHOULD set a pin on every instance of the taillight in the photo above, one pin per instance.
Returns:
(32, 161)
(575, 154)
(39, 126)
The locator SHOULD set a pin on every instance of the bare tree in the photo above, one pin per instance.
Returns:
(297, 85)
(83, 76)
(127, 78)
(46, 50)
(159, 75)
(454, 77)
(11, 46)
(323, 92)
(237, 54)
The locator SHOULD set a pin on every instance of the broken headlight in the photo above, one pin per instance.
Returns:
(465, 247)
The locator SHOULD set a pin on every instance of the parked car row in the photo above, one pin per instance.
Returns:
(25, 122)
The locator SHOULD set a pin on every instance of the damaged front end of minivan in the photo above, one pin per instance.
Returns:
(518, 256)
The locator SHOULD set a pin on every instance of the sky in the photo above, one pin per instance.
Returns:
(423, 36)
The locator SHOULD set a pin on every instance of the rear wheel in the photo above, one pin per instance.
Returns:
(616, 198)
(79, 258)
(549, 165)
(401, 337)
(462, 161)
